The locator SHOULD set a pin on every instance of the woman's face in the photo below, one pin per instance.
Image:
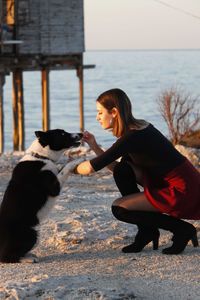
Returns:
(104, 117)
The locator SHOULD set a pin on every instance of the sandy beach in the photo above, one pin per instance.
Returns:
(80, 254)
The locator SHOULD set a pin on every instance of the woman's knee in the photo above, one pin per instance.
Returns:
(117, 202)
(118, 212)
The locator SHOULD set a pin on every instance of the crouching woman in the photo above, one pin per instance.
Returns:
(171, 184)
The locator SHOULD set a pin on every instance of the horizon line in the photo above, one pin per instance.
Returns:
(146, 49)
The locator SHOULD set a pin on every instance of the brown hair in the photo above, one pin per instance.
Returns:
(125, 120)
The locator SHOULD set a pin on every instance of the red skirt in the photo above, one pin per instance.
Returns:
(180, 196)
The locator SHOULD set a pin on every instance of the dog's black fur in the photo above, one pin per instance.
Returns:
(34, 184)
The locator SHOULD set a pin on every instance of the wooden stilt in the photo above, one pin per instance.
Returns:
(45, 100)
(10, 12)
(81, 96)
(1, 114)
(18, 111)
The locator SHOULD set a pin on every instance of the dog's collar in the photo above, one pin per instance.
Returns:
(39, 156)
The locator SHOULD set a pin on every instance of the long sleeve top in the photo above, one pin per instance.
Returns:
(148, 149)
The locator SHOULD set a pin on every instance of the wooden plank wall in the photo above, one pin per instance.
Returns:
(53, 27)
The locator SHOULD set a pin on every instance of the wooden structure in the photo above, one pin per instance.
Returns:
(39, 35)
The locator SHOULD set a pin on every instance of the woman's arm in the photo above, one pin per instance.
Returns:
(91, 141)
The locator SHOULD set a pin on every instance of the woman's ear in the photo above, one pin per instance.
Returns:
(114, 112)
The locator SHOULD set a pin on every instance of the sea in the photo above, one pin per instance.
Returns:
(143, 74)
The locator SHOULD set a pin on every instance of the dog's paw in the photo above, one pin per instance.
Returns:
(71, 165)
(29, 258)
(67, 170)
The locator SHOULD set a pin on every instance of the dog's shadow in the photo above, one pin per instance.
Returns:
(81, 255)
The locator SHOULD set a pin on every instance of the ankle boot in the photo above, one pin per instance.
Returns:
(143, 237)
(182, 235)
(146, 233)
(182, 231)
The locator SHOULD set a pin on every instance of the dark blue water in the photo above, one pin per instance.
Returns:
(143, 75)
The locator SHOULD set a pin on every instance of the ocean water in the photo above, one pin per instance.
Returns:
(142, 74)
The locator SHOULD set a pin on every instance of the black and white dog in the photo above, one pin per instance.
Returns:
(31, 192)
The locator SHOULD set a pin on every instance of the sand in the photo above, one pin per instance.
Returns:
(80, 256)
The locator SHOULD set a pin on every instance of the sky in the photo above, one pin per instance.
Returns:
(142, 24)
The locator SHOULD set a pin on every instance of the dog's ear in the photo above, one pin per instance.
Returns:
(41, 135)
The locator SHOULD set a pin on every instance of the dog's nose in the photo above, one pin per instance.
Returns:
(77, 136)
(80, 135)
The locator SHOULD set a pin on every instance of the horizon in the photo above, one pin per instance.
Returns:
(144, 49)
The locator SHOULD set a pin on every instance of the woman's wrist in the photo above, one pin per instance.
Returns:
(75, 170)
(97, 149)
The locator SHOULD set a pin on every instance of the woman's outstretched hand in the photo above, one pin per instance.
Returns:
(85, 167)
(89, 139)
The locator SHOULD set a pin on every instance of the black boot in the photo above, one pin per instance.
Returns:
(182, 231)
(146, 233)
(125, 180)
(143, 237)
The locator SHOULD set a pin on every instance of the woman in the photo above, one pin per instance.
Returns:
(171, 183)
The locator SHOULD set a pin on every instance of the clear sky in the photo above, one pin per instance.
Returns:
(142, 24)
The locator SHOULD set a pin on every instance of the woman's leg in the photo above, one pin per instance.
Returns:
(136, 201)
(136, 209)
(126, 179)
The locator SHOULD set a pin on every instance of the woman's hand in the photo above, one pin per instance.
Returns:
(89, 139)
(84, 168)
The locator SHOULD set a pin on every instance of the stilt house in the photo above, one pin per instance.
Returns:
(37, 35)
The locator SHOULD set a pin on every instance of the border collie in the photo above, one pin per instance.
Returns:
(31, 192)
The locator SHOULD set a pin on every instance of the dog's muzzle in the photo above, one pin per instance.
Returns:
(77, 139)
(77, 136)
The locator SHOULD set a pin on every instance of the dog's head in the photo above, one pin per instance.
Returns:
(58, 139)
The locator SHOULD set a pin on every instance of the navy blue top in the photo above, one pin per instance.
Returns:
(148, 149)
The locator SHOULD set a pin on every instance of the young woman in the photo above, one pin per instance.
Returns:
(171, 183)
